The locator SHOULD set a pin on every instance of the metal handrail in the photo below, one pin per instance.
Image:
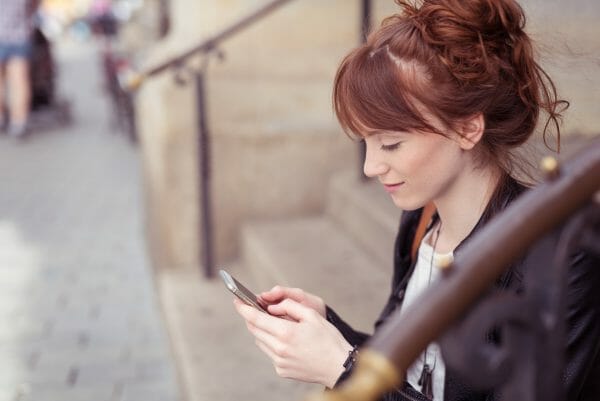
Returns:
(401, 339)
(135, 80)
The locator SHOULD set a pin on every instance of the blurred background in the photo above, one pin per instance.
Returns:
(146, 166)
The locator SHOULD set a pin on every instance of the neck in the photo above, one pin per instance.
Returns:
(462, 205)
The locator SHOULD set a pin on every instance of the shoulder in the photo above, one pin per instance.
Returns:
(567, 249)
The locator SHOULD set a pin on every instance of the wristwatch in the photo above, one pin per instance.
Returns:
(349, 362)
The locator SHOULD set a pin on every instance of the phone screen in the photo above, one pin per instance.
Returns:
(244, 294)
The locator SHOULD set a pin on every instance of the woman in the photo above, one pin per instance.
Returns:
(441, 94)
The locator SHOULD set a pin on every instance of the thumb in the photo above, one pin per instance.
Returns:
(292, 309)
(275, 294)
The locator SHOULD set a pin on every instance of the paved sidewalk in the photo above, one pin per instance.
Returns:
(79, 315)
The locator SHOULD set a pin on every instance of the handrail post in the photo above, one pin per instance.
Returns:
(365, 28)
(204, 176)
(365, 17)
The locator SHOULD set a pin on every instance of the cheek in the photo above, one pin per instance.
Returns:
(435, 158)
(429, 172)
(444, 163)
(442, 169)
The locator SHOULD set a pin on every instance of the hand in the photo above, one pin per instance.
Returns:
(278, 293)
(307, 348)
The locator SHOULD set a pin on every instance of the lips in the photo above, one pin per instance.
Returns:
(393, 187)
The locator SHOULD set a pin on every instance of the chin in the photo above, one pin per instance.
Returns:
(407, 204)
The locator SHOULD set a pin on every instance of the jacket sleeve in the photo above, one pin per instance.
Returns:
(583, 325)
(354, 337)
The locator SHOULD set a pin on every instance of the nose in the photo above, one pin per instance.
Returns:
(374, 164)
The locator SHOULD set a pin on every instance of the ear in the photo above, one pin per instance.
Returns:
(470, 131)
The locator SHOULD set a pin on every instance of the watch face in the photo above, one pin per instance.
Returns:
(349, 363)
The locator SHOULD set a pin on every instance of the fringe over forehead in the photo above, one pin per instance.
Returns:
(380, 89)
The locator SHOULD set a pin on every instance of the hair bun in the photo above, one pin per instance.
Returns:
(467, 34)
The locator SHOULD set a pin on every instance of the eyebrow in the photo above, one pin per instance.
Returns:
(390, 133)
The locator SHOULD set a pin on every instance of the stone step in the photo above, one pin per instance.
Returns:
(316, 255)
(212, 345)
(366, 212)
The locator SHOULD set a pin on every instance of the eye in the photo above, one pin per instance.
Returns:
(391, 147)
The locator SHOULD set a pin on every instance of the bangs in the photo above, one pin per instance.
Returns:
(375, 90)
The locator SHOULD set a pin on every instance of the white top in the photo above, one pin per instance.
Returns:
(424, 274)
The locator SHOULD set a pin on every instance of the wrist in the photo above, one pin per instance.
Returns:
(343, 363)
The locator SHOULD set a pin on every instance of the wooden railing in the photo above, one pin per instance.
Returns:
(570, 197)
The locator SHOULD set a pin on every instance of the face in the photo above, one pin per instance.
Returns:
(414, 167)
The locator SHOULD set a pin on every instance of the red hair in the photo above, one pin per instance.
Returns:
(456, 58)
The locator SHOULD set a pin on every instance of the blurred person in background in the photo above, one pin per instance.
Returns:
(16, 24)
(102, 19)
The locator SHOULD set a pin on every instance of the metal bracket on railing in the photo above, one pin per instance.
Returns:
(184, 72)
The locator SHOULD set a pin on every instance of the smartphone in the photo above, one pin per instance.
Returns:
(244, 294)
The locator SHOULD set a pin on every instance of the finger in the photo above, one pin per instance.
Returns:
(247, 312)
(274, 311)
(237, 302)
(239, 305)
(268, 341)
(268, 351)
(279, 293)
(279, 311)
(259, 333)
(272, 325)
(275, 294)
(278, 363)
(293, 309)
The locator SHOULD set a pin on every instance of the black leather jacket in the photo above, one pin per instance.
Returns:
(582, 371)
